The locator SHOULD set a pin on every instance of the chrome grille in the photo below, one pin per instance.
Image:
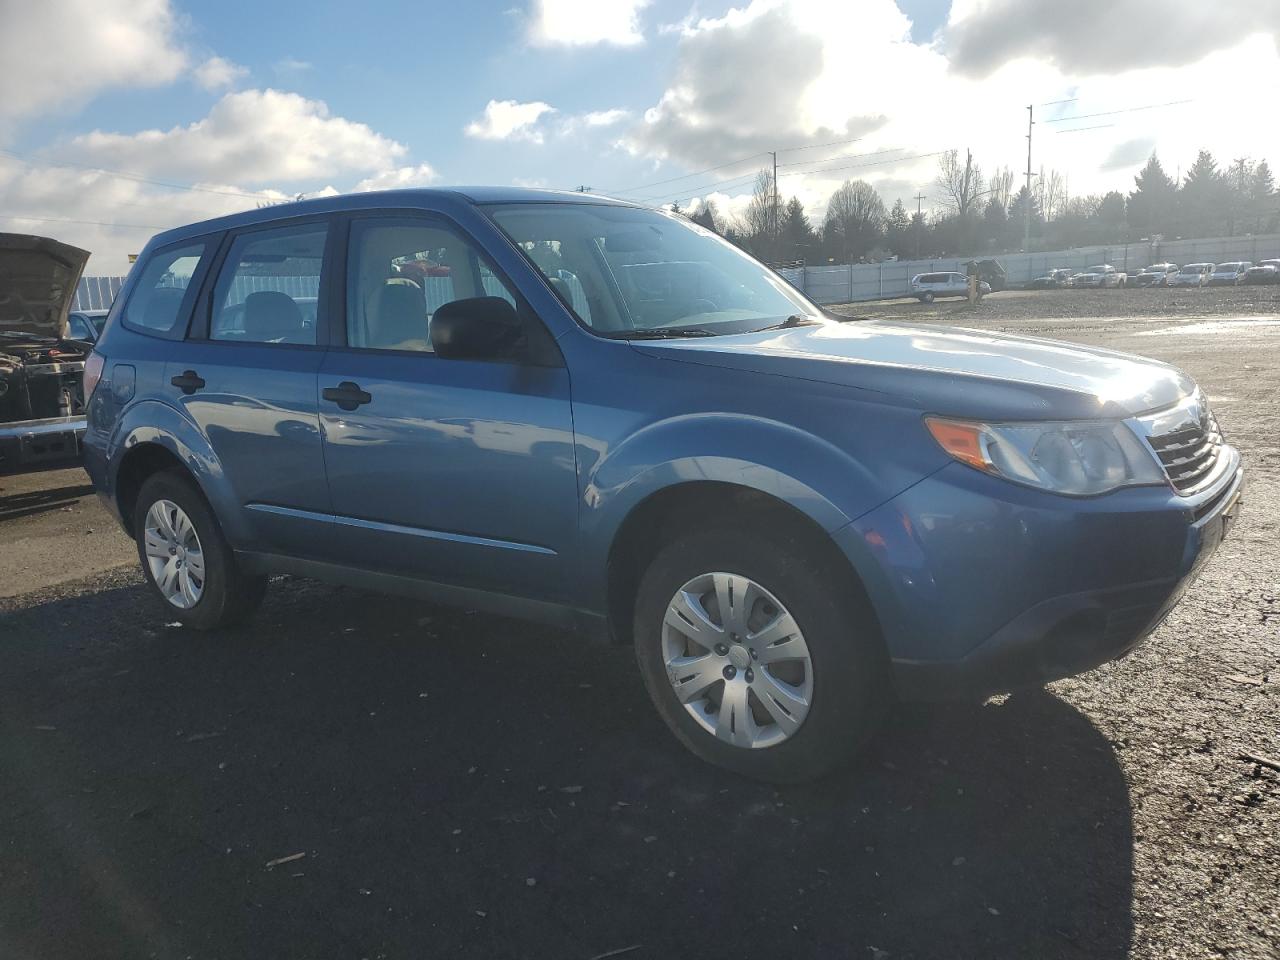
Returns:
(1188, 453)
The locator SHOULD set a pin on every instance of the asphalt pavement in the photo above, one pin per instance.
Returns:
(355, 775)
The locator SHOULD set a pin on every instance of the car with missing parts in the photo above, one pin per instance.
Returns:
(42, 360)
(603, 417)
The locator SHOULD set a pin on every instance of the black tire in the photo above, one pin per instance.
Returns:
(849, 666)
(229, 596)
(926, 298)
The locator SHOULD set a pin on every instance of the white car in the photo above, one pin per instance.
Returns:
(1103, 275)
(1156, 275)
(1229, 274)
(925, 287)
(1192, 275)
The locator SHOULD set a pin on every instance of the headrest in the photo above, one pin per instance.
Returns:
(270, 315)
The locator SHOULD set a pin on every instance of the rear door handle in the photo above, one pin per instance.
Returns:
(188, 382)
(346, 395)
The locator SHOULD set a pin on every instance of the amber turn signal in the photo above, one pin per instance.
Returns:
(961, 440)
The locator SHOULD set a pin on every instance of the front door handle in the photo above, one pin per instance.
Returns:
(346, 395)
(188, 382)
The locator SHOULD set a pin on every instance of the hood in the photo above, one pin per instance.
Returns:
(38, 279)
(947, 370)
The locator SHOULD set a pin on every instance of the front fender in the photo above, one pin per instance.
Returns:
(815, 477)
(157, 423)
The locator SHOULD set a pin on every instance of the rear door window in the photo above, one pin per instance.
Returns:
(159, 303)
(269, 287)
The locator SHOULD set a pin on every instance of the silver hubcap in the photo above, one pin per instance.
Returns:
(174, 554)
(737, 660)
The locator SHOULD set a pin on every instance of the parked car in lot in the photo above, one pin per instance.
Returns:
(604, 417)
(85, 325)
(1103, 275)
(1229, 274)
(1056, 279)
(1266, 271)
(1156, 275)
(1192, 275)
(926, 287)
(41, 361)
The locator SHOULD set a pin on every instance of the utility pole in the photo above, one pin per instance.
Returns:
(919, 200)
(1026, 229)
(775, 198)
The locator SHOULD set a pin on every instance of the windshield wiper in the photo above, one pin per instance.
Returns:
(662, 333)
(795, 320)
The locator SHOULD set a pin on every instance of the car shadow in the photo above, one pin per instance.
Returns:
(361, 775)
(31, 502)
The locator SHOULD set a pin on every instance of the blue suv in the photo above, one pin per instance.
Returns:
(601, 416)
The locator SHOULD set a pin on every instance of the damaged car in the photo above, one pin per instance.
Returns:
(42, 411)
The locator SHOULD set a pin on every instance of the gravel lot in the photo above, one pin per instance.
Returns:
(359, 776)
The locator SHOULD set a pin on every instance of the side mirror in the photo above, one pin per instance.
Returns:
(477, 328)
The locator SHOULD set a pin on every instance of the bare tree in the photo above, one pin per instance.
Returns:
(959, 182)
(855, 219)
(1051, 193)
(759, 219)
(1000, 187)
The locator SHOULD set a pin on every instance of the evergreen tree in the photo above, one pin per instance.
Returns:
(798, 239)
(1204, 198)
(898, 231)
(1153, 204)
(708, 216)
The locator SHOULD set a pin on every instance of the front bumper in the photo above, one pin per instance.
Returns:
(40, 444)
(983, 587)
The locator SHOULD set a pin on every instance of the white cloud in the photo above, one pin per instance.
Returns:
(58, 55)
(510, 120)
(1099, 35)
(423, 175)
(838, 70)
(253, 136)
(604, 118)
(580, 23)
(218, 72)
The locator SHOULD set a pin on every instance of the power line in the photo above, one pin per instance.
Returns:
(659, 183)
(1112, 113)
(855, 166)
(846, 156)
(734, 163)
(1100, 126)
(91, 223)
(137, 177)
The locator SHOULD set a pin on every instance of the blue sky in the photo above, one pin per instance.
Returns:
(166, 111)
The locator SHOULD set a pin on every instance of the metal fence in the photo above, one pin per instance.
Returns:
(874, 281)
(847, 283)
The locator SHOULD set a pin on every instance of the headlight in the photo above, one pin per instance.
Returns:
(1079, 457)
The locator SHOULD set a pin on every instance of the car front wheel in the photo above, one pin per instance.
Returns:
(186, 559)
(757, 657)
(926, 298)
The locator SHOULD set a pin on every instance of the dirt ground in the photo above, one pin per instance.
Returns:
(361, 776)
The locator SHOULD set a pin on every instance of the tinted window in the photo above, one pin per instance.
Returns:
(157, 299)
(79, 328)
(400, 273)
(627, 270)
(269, 286)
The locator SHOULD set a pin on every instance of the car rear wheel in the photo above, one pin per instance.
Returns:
(187, 560)
(756, 657)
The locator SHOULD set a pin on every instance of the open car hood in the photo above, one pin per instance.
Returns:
(38, 279)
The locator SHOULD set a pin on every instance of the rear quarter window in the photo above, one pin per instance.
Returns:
(160, 301)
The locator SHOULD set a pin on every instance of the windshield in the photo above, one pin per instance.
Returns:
(1228, 267)
(1098, 269)
(628, 271)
